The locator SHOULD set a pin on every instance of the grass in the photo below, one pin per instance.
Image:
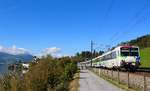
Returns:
(145, 57)
(74, 84)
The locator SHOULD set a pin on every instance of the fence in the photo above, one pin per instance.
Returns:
(138, 82)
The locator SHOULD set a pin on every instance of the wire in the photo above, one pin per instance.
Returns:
(133, 26)
(136, 20)
(109, 9)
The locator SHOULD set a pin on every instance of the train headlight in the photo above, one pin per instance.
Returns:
(133, 63)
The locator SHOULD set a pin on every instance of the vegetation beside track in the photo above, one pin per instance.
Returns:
(49, 74)
(74, 84)
(145, 57)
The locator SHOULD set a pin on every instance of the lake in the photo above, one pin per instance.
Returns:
(3, 68)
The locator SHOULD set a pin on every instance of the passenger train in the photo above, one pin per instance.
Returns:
(127, 57)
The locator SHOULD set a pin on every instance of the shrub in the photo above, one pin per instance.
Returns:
(48, 74)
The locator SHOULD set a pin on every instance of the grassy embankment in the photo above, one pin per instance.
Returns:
(74, 84)
(145, 57)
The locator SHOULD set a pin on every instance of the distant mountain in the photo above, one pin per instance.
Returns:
(24, 57)
(6, 58)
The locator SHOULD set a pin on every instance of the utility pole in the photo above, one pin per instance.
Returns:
(91, 51)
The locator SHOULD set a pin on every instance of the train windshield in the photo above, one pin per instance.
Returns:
(134, 52)
(129, 51)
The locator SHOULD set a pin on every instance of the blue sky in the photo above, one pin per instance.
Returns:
(71, 24)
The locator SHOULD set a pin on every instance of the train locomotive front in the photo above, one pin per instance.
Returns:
(129, 57)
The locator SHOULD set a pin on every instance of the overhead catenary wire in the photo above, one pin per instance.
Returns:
(107, 13)
(109, 9)
(137, 14)
(137, 19)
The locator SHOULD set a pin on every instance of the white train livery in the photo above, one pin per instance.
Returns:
(127, 57)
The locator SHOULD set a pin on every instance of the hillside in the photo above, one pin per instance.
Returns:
(145, 57)
(142, 42)
(6, 58)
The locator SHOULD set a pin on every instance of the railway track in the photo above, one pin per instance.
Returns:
(143, 70)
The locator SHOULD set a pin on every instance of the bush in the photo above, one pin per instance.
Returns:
(10, 82)
(48, 75)
(70, 70)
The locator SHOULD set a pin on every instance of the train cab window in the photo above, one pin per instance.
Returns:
(129, 52)
(125, 51)
(134, 52)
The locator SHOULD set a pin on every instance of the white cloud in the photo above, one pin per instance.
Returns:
(53, 51)
(13, 50)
